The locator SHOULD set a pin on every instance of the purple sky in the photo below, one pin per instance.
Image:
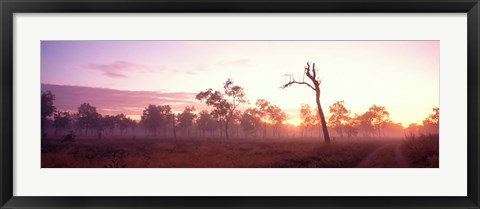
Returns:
(401, 75)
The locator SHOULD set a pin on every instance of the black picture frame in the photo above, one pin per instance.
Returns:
(9, 7)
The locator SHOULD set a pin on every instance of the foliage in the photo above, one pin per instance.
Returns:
(47, 108)
(422, 150)
(226, 115)
(340, 119)
(110, 122)
(206, 122)
(123, 123)
(270, 113)
(262, 109)
(88, 118)
(431, 123)
(309, 120)
(374, 120)
(251, 121)
(62, 120)
(151, 119)
(186, 119)
(155, 118)
(224, 103)
(277, 117)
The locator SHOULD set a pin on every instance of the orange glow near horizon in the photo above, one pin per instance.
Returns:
(294, 122)
(135, 117)
(403, 76)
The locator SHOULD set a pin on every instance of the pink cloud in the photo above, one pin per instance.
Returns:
(112, 102)
(237, 62)
(118, 69)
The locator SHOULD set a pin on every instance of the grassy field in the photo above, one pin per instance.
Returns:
(422, 151)
(210, 153)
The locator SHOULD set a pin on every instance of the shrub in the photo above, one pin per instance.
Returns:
(422, 150)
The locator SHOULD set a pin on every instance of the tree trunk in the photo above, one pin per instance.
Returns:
(42, 124)
(174, 128)
(265, 128)
(322, 117)
(226, 129)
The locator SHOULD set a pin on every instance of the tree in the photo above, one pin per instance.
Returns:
(380, 118)
(235, 122)
(61, 120)
(206, 122)
(173, 118)
(394, 129)
(434, 118)
(250, 121)
(224, 103)
(365, 124)
(308, 119)
(413, 129)
(151, 119)
(352, 125)
(88, 118)
(99, 125)
(202, 121)
(431, 123)
(277, 116)
(132, 124)
(374, 120)
(166, 117)
(262, 106)
(110, 122)
(185, 119)
(339, 118)
(47, 108)
(311, 73)
(123, 122)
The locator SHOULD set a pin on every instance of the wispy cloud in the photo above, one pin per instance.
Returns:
(111, 102)
(236, 62)
(202, 68)
(190, 69)
(118, 69)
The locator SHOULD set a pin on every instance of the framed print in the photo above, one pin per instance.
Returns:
(265, 104)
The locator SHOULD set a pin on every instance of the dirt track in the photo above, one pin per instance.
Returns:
(388, 155)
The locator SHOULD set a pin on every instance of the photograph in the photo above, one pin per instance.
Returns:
(239, 104)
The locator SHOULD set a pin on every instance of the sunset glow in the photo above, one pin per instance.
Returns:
(240, 104)
(126, 76)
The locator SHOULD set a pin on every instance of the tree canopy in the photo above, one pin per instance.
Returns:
(224, 103)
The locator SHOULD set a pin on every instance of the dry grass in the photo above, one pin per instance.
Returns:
(204, 153)
(422, 151)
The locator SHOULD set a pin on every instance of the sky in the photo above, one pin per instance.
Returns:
(403, 76)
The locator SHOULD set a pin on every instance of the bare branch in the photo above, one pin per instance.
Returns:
(314, 71)
(307, 69)
(320, 80)
(292, 81)
(307, 72)
(312, 75)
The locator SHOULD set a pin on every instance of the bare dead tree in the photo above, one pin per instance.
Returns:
(311, 73)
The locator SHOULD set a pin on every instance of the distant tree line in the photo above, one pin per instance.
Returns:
(374, 122)
(225, 120)
(86, 120)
